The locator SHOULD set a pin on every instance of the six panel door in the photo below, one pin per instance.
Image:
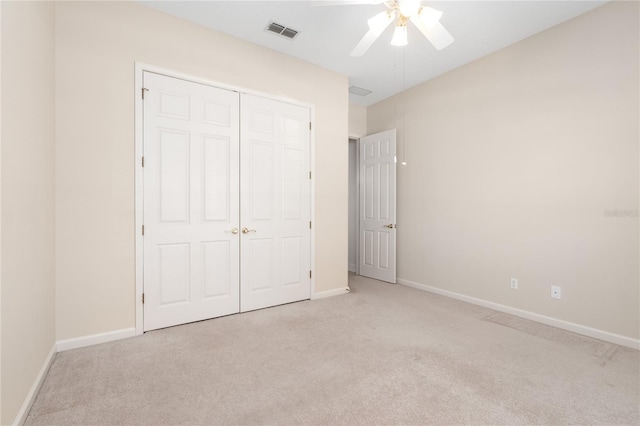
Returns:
(377, 232)
(276, 205)
(191, 202)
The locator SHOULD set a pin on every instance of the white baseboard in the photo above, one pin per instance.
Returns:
(35, 388)
(352, 267)
(554, 322)
(94, 339)
(330, 293)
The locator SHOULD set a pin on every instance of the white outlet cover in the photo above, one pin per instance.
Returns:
(556, 292)
(514, 283)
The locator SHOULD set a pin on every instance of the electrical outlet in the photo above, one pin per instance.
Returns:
(514, 283)
(556, 292)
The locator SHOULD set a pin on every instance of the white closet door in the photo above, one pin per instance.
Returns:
(191, 201)
(378, 206)
(275, 203)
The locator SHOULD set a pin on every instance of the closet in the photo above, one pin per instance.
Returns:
(226, 202)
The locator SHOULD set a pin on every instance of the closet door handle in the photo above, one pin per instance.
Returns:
(234, 231)
(247, 230)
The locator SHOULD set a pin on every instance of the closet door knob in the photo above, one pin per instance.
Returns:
(246, 230)
(234, 231)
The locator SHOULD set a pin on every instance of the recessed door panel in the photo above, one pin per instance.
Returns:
(217, 258)
(385, 148)
(173, 179)
(217, 113)
(173, 105)
(383, 250)
(369, 149)
(369, 191)
(174, 273)
(384, 191)
(262, 121)
(217, 181)
(261, 176)
(261, 260)
(368, 248)
(292, 186)
(294, 133)
(292, 253)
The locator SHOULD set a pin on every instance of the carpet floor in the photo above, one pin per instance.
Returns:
(383, 354)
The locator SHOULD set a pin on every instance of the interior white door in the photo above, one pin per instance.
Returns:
(275, 203)
(191, 201)
(377, 233)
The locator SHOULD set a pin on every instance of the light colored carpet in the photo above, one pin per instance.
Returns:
(383, 354)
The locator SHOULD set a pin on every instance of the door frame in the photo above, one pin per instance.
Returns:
(139, 69)
(356, 141)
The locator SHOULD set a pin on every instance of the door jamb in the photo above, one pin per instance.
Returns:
(139, 197)
(357, 195)
(139, 69)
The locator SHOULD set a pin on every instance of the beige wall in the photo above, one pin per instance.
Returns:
(357, 120)
(97, 44)
(513, 161)
(28, 304)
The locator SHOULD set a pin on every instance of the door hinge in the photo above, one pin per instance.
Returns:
(309, 125)
(143, 230)
(144, 90)
(309, 224)
(143, 161)
(143, 298)
(309, 274)
(309, 174)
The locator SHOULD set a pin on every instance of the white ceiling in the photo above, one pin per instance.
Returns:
(328, 33)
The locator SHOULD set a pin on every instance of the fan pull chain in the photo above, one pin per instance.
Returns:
(404, 129)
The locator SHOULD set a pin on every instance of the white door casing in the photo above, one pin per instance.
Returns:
(275, 203)
(191, 201)
(377, 230)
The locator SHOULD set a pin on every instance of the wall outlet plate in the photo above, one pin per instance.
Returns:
(556, 292)
(514, 283)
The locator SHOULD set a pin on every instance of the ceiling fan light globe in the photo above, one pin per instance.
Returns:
(380, 22)
(399, 36)
(429, 17)
(409, 8)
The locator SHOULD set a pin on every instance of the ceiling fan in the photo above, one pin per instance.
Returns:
(425, 18)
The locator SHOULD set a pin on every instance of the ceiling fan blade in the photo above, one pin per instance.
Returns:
(342, 2)
(437, 35)
(377, 25)
(429, 16)
(364, 44)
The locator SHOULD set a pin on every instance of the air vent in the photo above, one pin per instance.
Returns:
(359, 91)
(281, 30)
